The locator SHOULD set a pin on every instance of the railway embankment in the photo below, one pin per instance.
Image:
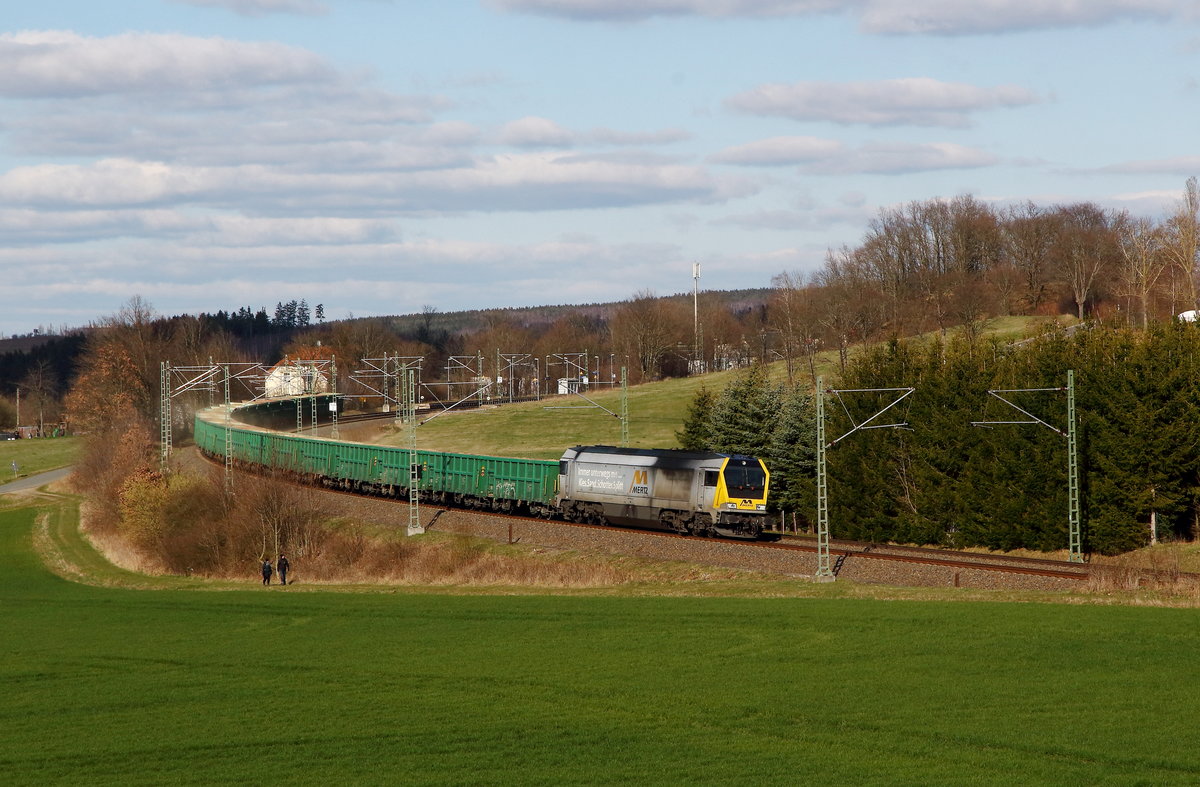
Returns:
(779, 559)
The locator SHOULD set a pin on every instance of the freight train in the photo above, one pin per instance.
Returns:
(699, 493)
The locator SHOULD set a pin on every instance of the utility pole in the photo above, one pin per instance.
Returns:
(164, 414)
(414, 465)
(824, 568)
(696, 318)
(1074, 531)
(624, 408)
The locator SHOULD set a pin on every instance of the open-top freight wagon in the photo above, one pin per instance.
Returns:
(681, 491)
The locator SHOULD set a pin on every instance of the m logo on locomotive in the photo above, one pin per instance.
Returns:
(641, 483)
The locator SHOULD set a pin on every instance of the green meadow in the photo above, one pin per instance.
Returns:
(175, 680)
(36, 456)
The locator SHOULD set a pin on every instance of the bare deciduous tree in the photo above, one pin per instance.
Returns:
(1029, 234)
(1181, 244)
(1085, 248)
(1142, 259)
(40, 387)
(648, 327)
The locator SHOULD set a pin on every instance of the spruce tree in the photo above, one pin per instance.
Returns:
(791, 457)
(745, 413)
(696, 434)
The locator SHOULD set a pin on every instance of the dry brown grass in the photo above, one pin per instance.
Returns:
(439, 559)
(349, 555)
(1161, 571)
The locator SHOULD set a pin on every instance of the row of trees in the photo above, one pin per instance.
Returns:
(940, 481)
(286, 317)
(1138, 399)
(36, 380)
(938, 263)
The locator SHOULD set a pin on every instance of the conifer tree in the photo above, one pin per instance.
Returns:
(696, 434)
(791, 457)
(745, 413)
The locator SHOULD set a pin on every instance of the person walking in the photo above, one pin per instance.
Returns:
(282, 565)
(267, 571)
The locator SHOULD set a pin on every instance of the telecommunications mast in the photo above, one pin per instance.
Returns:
(696, 314)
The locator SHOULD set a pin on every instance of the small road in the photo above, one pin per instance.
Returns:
(34, 481)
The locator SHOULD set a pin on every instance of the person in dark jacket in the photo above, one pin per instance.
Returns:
(267, 571)
(282, 565)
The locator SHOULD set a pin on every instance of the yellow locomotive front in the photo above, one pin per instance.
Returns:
(739, 500)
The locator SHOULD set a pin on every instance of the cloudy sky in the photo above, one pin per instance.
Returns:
(379, 156)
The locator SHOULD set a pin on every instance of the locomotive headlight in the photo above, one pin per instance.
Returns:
(760, 507)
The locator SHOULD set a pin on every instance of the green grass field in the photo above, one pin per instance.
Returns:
(36, 456)
(178, 683)
(541, 430)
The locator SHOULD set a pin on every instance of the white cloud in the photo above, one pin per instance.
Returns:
(539, 132)
(637, 10)
(956, 17)
(371, 278)
(914, 101)
(107, 183)
(932, 17)
(536, 132)
(797, 220)
(902, 158)
(547, 181)
(816, 156)
(263, 7)
(314, 231)
(535, 181)
(25, 226)
(779, 150)
(1184, 166)
(56, 63)
(608, 136)
(152, 116)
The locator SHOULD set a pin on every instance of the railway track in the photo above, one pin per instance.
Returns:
(948, 557)
(840, 550)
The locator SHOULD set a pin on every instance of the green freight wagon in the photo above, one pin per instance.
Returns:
(486, 483)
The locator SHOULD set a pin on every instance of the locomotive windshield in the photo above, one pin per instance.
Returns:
(744, 479)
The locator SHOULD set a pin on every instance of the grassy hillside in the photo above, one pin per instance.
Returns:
(656, 410)
(170, 684)
(36, 456)
(541, 430)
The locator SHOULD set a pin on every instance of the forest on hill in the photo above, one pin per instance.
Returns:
(1137, 395)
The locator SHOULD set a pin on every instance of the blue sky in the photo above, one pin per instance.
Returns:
(381, 156)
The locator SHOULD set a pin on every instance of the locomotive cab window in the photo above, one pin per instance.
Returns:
(562, 468)
(745, 480)
(711, 477)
